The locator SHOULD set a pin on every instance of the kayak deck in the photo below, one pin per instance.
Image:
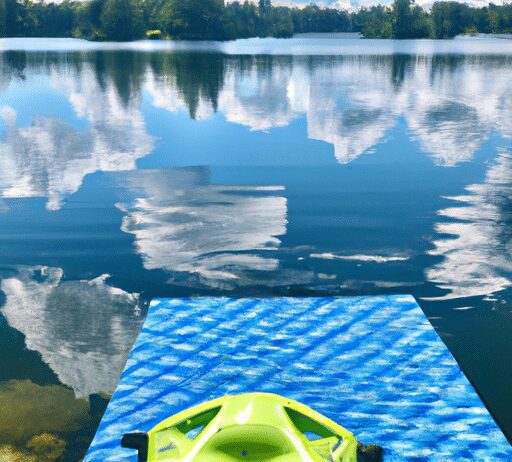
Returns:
(373, 364)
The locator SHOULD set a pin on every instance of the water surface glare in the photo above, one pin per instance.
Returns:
(250, 168)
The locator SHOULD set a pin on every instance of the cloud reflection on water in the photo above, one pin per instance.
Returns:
(82, 329)
(478, 250)
(50, 158)
(218, 232)
(449, 103)
(183, 223)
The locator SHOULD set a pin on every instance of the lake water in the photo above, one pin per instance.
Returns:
(252, 168)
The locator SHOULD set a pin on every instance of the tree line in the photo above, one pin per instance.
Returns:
(445, 19)
(217, 20)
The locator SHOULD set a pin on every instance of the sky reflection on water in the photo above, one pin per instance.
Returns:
(86, 345)
(127, 175)
(477, 252)
(184, 224)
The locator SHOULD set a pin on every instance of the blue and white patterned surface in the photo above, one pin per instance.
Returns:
(374, 364)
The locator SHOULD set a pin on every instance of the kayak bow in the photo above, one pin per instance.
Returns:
(246, 427)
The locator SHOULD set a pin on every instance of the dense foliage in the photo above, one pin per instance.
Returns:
(215, 19)
(445, 20)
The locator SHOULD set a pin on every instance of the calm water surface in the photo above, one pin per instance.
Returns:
(258, 167)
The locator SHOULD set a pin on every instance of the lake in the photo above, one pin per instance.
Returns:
(262, 167)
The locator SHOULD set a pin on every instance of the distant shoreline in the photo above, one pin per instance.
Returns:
(329, 35)
(128, 20)
(340, 36)
(320, 45)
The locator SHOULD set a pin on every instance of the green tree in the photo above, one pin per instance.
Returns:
(52, 20)
(92, 15)
(500, 18)
(264, 6)
(240, 20)
(402, 19)
(194, 19)
(122, 20)
(12, 27)
(420, 23)
(264, 26)
(480, 20)
(450, 19)
(214, 20)
(279, 22)
(20, 18)
(409, 21)
(314, 19)
(3, 24)
(375, 22)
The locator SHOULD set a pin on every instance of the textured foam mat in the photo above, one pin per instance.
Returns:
(373, 364)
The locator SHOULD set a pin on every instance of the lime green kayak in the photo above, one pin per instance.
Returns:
(247, 427)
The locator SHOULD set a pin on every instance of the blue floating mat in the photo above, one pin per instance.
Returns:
(373, 364)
